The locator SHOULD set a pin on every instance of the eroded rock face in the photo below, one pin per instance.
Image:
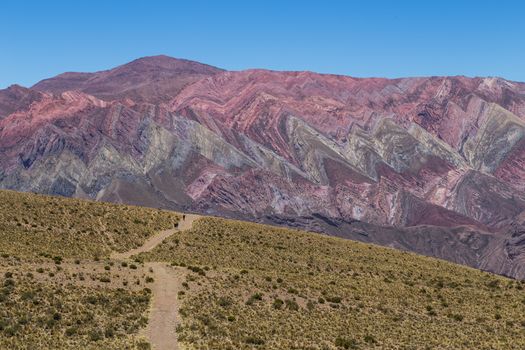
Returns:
(433, 165)
(16, 98)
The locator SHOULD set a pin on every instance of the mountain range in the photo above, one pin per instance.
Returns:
(434, 165)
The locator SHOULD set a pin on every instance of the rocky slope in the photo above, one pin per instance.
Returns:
(16, 98)
(434, 165)
(154, 79)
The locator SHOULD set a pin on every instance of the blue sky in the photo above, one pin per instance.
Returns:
(40, 39)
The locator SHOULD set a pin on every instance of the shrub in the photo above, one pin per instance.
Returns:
(224, 302)
(291, 305)
(335, 300)
(109, 332)
(197, 270)
(345, 343)
(253, 298)
(9, 282)
(254, 341)
(95, 335)
(27, 295)
(257, 296)
(71, 331)
(370, 339)
(278, 304)
(143, 345)
(493, 284)
(310, 305)
(455, 317)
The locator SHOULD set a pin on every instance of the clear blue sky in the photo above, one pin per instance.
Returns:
(40, 39)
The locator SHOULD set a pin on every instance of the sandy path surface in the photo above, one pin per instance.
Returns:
(163, 317)
(163, 314)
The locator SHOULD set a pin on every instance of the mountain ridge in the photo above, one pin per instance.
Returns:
(423, 164)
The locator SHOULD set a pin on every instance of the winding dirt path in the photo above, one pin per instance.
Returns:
(156, 239)
(163, 314)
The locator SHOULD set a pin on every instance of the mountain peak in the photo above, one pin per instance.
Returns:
(168, 62)
(153, 79)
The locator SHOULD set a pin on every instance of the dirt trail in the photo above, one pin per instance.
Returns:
(163, 314)
(156, 239)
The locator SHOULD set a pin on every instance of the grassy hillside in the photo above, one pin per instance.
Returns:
(33, 224)
(58, 289)
(256, 286)
(46, 314)
(244, 286)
